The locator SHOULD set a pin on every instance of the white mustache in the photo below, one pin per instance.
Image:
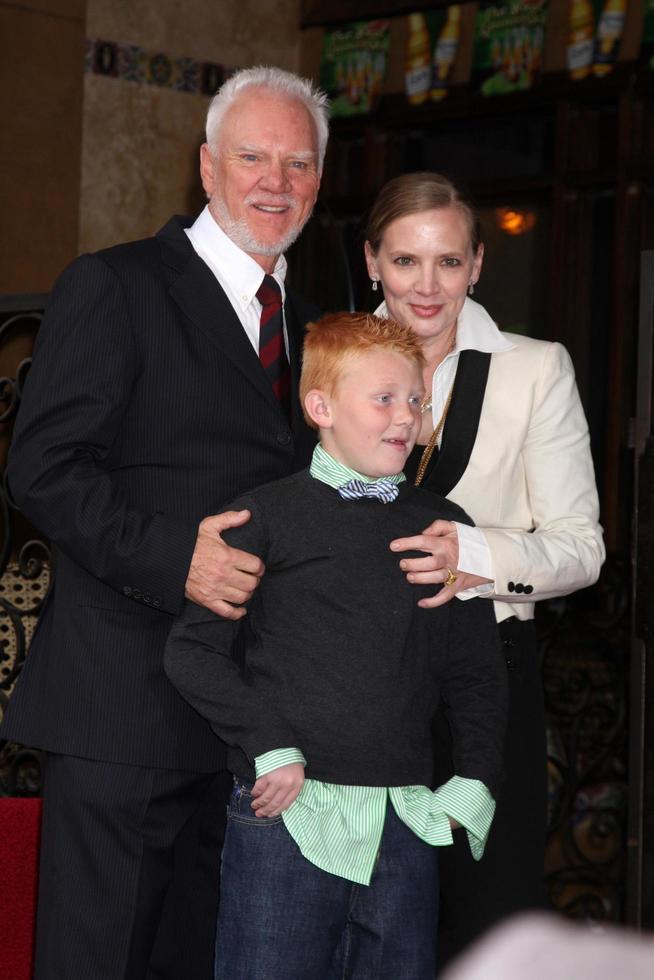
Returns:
(280, 200)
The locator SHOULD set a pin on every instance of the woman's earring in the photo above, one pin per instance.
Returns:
(471, 288)
(374, 285)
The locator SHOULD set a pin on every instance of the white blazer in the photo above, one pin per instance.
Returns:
(530, 483)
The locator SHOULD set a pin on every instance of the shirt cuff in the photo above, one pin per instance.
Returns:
(470, 803)
(475, 559)
(418, 808)
(263, 764)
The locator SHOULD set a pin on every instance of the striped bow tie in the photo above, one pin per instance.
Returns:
(384, 490)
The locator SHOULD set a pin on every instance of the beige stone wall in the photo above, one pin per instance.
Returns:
(140, 142)
(40, 135)
(233, 32)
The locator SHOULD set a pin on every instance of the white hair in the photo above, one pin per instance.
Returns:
(276, 80)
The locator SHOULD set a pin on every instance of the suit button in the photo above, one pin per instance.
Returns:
(510, 664)
(137, 594)
(283, 438)
(509, 642)
(519, 587)
(126, 590)
(529, 589)
(156, 600)
(147, 598)
(511, 587)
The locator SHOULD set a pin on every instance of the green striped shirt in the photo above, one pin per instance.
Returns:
(339, 828)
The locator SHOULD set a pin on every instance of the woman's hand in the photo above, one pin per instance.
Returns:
(440, 543)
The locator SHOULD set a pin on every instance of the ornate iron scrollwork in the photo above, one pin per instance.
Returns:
(586, 688)
(25, 565)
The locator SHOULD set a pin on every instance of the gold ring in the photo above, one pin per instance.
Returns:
(451, 577)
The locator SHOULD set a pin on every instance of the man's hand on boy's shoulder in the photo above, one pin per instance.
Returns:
(222, 578)
(274, 792)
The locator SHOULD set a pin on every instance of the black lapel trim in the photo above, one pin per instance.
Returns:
(462, 423)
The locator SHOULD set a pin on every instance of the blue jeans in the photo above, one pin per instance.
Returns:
(282, 918)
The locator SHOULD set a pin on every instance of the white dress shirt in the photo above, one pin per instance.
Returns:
(473, 332)
(238, 274)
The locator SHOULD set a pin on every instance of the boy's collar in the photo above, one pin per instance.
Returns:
(328, 470)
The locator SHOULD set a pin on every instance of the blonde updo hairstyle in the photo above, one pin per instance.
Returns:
(412, 194)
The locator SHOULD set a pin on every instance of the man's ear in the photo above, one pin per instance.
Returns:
(207, 169)
(316, 403)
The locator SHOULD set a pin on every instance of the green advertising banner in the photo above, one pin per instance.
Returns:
(353, 66)
(508, 46)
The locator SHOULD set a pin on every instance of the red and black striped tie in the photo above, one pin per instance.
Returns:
(272, 351)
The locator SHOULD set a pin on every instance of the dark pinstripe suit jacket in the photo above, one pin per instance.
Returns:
(145, 410)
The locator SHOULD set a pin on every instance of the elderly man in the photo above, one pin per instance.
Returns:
(163, 385)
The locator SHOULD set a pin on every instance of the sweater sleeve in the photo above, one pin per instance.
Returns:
(474, 692)
(199, 660)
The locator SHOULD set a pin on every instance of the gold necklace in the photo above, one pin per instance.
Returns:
(426, 403)
(428, 451)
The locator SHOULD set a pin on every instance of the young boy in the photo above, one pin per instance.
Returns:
(329, 866)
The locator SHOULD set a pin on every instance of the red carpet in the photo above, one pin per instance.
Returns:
(20, 828)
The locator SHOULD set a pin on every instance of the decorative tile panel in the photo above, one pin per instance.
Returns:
(132, 63)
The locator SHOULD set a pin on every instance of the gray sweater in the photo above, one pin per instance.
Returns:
(336, 657)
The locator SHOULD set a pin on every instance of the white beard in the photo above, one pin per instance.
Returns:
(241, 235)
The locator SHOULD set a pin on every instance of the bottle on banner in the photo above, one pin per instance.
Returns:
(418, 60)
(581, 39)
(445, 53)
(609, 32)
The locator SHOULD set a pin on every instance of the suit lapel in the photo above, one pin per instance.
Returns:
(460, 431)
(200, 297)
